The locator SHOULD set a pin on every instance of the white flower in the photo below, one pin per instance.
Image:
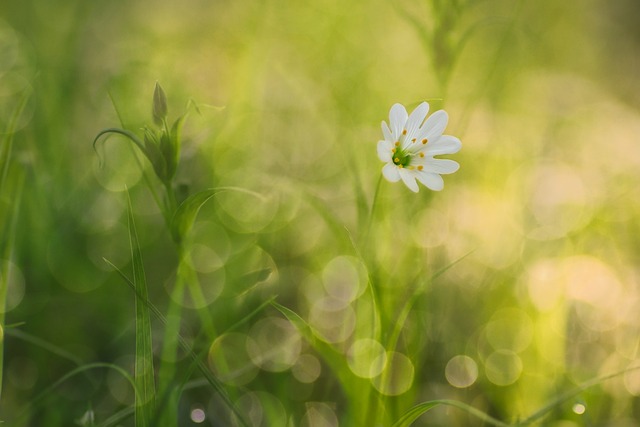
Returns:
(410, 143)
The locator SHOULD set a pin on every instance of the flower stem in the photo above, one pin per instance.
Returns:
(374, 203)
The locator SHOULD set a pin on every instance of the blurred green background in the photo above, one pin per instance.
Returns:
(544, 95)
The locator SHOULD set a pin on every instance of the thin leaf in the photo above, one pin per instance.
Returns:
(145, 405)
(8, 231)
(412, 414)
(571, 394)
(249, 282)
(187, 212)
(130, 135)
(35, 401)
(45, 345)
(352, 384)
(248, 317)
(175, 139)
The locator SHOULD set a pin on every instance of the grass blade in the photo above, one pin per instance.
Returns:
(352, 385)
(28, 409)
(144, 373)
(412, 414)
(187, 212)
(8, 219)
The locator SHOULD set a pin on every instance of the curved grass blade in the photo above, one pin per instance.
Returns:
(144, 373)
(27, 410)
(130, 135)
(542, 412)
(39, 342)
(352, 385)
(186, 213)
(412, 414)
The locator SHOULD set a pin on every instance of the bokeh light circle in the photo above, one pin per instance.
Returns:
(367, 358)
(229, 360)
(397, 376)
(274, 344)
(461, 371)
(319, 414)
(307, 369)
(344, 278)
(510, 328)
(333, 321)
(262, 409)
(14, 285)
(503, 367)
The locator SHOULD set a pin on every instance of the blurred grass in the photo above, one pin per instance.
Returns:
(544, 96)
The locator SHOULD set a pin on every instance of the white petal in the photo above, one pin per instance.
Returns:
(434, 126)
(384, 150)
(432, 181)
(441, 166)
(397, 120)
(390, 172)
(386, 132)
(446, 144)
(415, 120)
(409, 179)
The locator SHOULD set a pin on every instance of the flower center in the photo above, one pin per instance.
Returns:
(401, 159)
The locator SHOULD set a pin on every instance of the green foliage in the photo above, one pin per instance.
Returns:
(291, 284)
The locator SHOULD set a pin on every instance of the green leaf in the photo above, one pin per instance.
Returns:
(30, 408)
(186, 214)
(249, 281)
(154, 154)
(354, 386)
(130, 135)
(11, 185)
(145, 403)
(175, 141)
(412, 414)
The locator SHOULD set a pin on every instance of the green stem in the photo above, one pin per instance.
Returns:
(172, 204)
(374, 203)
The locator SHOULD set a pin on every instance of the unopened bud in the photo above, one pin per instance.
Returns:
(159, 105)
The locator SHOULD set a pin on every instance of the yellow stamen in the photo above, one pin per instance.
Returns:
(421, 154)
(404, 132)
(413, 140)
(420, 167)
(400, 166)
(396, 159)
(424, 141)
(393, 150)
(397, 143)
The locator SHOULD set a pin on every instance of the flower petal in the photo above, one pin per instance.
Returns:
(384, 151)
(415, 120)
(446, 144)
(397, 120)
(386, 132)
(441, 166)
(390, 172)
(409, 179)
(432, 181)
(434, 126)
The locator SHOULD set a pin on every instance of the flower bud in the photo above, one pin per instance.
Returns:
(159, 105)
